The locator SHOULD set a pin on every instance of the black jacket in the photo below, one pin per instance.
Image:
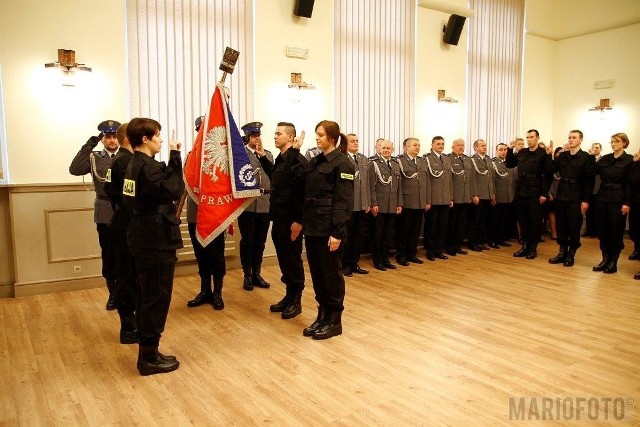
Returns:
(577, 176)
(287, 186)
(113, 188)
(615, 186)
(534, 171)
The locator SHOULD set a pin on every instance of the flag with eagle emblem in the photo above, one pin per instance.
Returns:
(217, 173)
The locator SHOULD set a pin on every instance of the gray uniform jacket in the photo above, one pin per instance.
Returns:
(82, 165)
(260, 204)
(439, 182)
(484, 183)
(504, 181)
(386, 196)
(462, 178)
(414, 182)
(361, 189)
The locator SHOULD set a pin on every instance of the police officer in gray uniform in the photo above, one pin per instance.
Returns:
(386, 203)
(98, 163)
(505, 179)
(361, 206)
(463, 180)
(254, 221)
(413, 174)
(439, 199)
(483, 196)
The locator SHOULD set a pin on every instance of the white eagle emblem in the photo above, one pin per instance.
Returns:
(216, 154)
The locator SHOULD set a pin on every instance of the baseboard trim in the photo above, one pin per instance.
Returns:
(6, 290)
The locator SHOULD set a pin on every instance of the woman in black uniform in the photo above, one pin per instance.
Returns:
(327, 209)
(151, 189)
(613, 201)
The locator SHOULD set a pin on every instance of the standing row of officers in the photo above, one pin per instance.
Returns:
(327, 196)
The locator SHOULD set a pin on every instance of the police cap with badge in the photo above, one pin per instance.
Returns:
(198, 122)
(250, 129)
(108, 126)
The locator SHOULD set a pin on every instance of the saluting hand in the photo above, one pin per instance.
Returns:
(298, 140)
(174, 144)
(260, 151)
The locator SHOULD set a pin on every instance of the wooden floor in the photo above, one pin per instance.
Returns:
(445, 343)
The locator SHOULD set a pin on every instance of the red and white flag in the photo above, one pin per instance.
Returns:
(218, 174)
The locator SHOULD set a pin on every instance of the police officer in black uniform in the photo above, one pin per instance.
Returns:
(286, 204)
(97, 163)
(126, 284)
(254, 221)
(327, 208)
(210, 258)
(532, 190)
(577, 176)
(150, 190)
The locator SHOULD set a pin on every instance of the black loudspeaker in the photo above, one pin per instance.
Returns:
(303, 8)
(453, 29)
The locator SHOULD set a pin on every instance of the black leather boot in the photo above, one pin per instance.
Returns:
(523, 251)
(151, 361)
(283, 303)
(533, 251)
(111, 302)
(603, 263)
(294, 307)
(330, 328)
(128, 330)
(562, 255)
(322, 316)
(612, 265)
(204, 297)
(569, 260)
(216, 299)
(247, 282)
(257, 279)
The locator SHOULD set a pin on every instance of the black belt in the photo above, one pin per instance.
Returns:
(103, 198)
(612, 185)
(319, 202)
(161, 209)
(264, 191)
(569, 180)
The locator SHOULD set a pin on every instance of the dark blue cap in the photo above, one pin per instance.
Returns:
(252, 128)
(199, 122)
(109, 126)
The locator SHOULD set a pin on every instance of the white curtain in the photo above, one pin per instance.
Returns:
(374, 69)
(496, 34)
(175, 48)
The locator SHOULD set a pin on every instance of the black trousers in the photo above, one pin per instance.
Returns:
(326, 273)
(478, 223)
(568, 223)
(108, 256)
(381, 239)
(155, 277)
(211, 262)
(530, 219)
(253, 229)
(592, 218)
(353, 245)
(436, 221)
(634, 224)
(408, 225)
(611, 225)
(126, 283)
(500, 231)
(458, 215)
(289, 255)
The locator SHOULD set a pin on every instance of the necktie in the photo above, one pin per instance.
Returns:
(355, 159)
(113, 155)
(415, 161)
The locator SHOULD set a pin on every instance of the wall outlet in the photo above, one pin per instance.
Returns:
(77, 269)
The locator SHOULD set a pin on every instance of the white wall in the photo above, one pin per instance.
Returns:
(439, 66)
(47, 123)
(538, 93)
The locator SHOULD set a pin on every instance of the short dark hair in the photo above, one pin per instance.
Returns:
(436, 138)
(534, 131)
(406, 141)
(579, 132)
(291, 129)
(502, 143)
(140, 127)
(623, 137)
(121, 133)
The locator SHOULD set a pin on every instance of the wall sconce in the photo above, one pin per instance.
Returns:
(604, 105)
(67, 63)
(443, 98)
(296, 82)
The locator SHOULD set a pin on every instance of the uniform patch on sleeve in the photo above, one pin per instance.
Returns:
(108, 177)
(348, 176)
(129, 188)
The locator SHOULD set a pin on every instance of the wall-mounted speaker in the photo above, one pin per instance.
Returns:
(453, 29)
(303, 8)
